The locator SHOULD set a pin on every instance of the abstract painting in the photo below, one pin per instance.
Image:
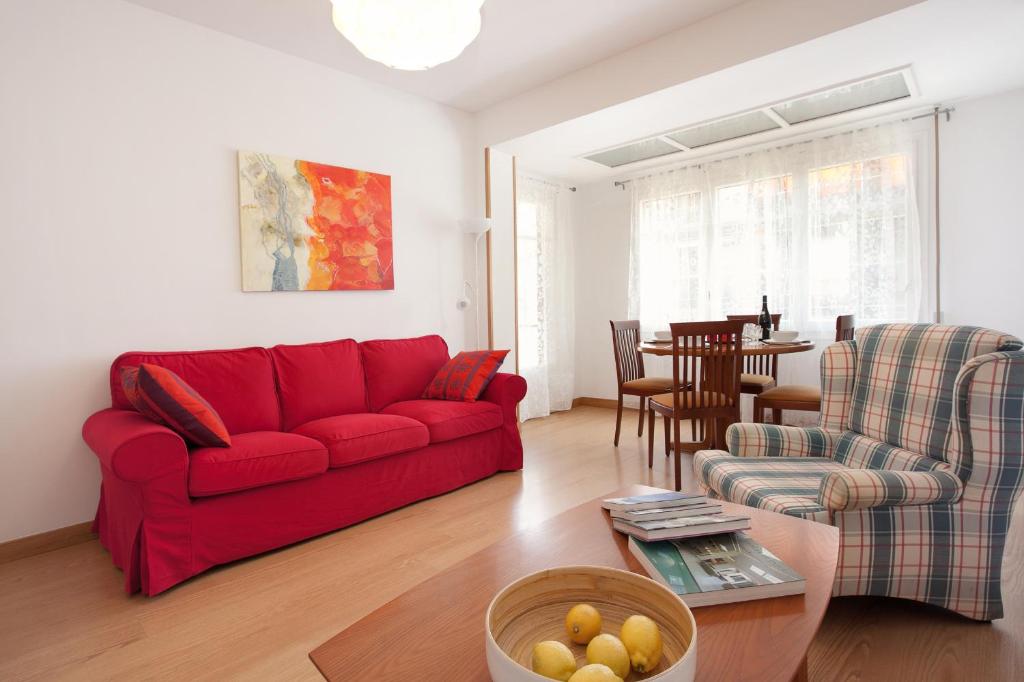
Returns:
(312, 227)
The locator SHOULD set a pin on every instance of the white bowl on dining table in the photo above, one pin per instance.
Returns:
(784, 336)
(663, 335)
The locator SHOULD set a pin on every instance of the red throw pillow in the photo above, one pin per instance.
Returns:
(465, 376)
(130, 384)
(164, 397)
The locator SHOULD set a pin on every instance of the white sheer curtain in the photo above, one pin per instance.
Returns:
(823, 228)
(545, 296)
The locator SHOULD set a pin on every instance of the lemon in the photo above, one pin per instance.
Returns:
(582, 623)
(595, 672)
(609, 650)
(553, 659)
(642, 638)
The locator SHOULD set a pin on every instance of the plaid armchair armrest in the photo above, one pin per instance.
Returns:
(769, 440)
(864, 488)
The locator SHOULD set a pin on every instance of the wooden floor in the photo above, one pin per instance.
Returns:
(63, 614)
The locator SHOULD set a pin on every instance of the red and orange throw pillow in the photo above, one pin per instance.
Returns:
(164, 397)
(465, 376)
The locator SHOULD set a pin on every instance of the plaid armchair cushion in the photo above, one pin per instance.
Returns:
(860, 452)
(769, 440)
(862, 488)
(786, 485)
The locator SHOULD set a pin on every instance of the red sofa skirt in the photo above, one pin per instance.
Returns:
(159, 536)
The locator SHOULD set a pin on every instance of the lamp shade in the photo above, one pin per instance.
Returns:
(408, 34)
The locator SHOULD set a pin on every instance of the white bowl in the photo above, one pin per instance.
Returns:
(784, 336)
(663, 336)
(533, 608)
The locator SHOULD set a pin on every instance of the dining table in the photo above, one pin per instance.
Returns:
(750, 348)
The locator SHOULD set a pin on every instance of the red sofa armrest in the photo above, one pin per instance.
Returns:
(143, 498)
(506, 390)
(134, 448)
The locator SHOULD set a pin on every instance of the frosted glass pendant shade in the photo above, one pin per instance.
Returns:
(408, 34)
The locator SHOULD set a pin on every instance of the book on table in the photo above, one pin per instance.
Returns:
(682, 527)
(717, 569)
(663, 500)
(669, 513)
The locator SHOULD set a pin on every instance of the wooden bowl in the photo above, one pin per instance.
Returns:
(533, 609)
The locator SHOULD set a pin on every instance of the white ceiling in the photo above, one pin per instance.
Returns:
(523, 43)
(955, 50)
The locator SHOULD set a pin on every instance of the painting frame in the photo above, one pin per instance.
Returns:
(309, 226)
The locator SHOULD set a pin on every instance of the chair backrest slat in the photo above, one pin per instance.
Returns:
(629, 362)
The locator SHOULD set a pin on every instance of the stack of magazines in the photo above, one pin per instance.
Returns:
(671, 516)
(685, 542)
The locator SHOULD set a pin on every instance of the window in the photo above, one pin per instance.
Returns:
(859, 239)
(824, 228)
(544, 296)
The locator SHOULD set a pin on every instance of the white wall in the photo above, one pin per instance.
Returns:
(118, 187)
(981, 179)
(602, 224)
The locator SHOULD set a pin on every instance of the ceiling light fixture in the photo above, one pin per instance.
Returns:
(411, 35)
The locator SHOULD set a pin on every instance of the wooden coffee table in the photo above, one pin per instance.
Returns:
(435, 631)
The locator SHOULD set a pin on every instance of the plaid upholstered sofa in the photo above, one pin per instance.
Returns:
(917, 460)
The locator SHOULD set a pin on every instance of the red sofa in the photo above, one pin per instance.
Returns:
(323, 436)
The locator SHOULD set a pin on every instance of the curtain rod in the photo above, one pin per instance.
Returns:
(547, 182)
(937, 111)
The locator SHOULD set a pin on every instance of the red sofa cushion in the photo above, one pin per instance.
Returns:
(354, 438)
(400, 369)
(175, 404)
(465, 376)
(238, 384)
(317, 380)
(447, 419)
(254, 460)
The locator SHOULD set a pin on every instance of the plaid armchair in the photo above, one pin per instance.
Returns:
(917, 460)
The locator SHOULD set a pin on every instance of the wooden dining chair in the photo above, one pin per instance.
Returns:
(794, 397)
(629, 371)
(706, 367)
(760, 372)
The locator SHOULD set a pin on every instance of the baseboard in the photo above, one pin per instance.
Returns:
(598, 402)
(21, 548)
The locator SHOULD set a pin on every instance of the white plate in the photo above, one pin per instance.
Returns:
(772, 342)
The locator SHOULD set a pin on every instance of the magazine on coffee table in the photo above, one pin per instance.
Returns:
(669, 513)
(682, 527)
(661, 500)
(717, 569)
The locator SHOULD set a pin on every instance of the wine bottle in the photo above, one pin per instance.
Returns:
(764, 320)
